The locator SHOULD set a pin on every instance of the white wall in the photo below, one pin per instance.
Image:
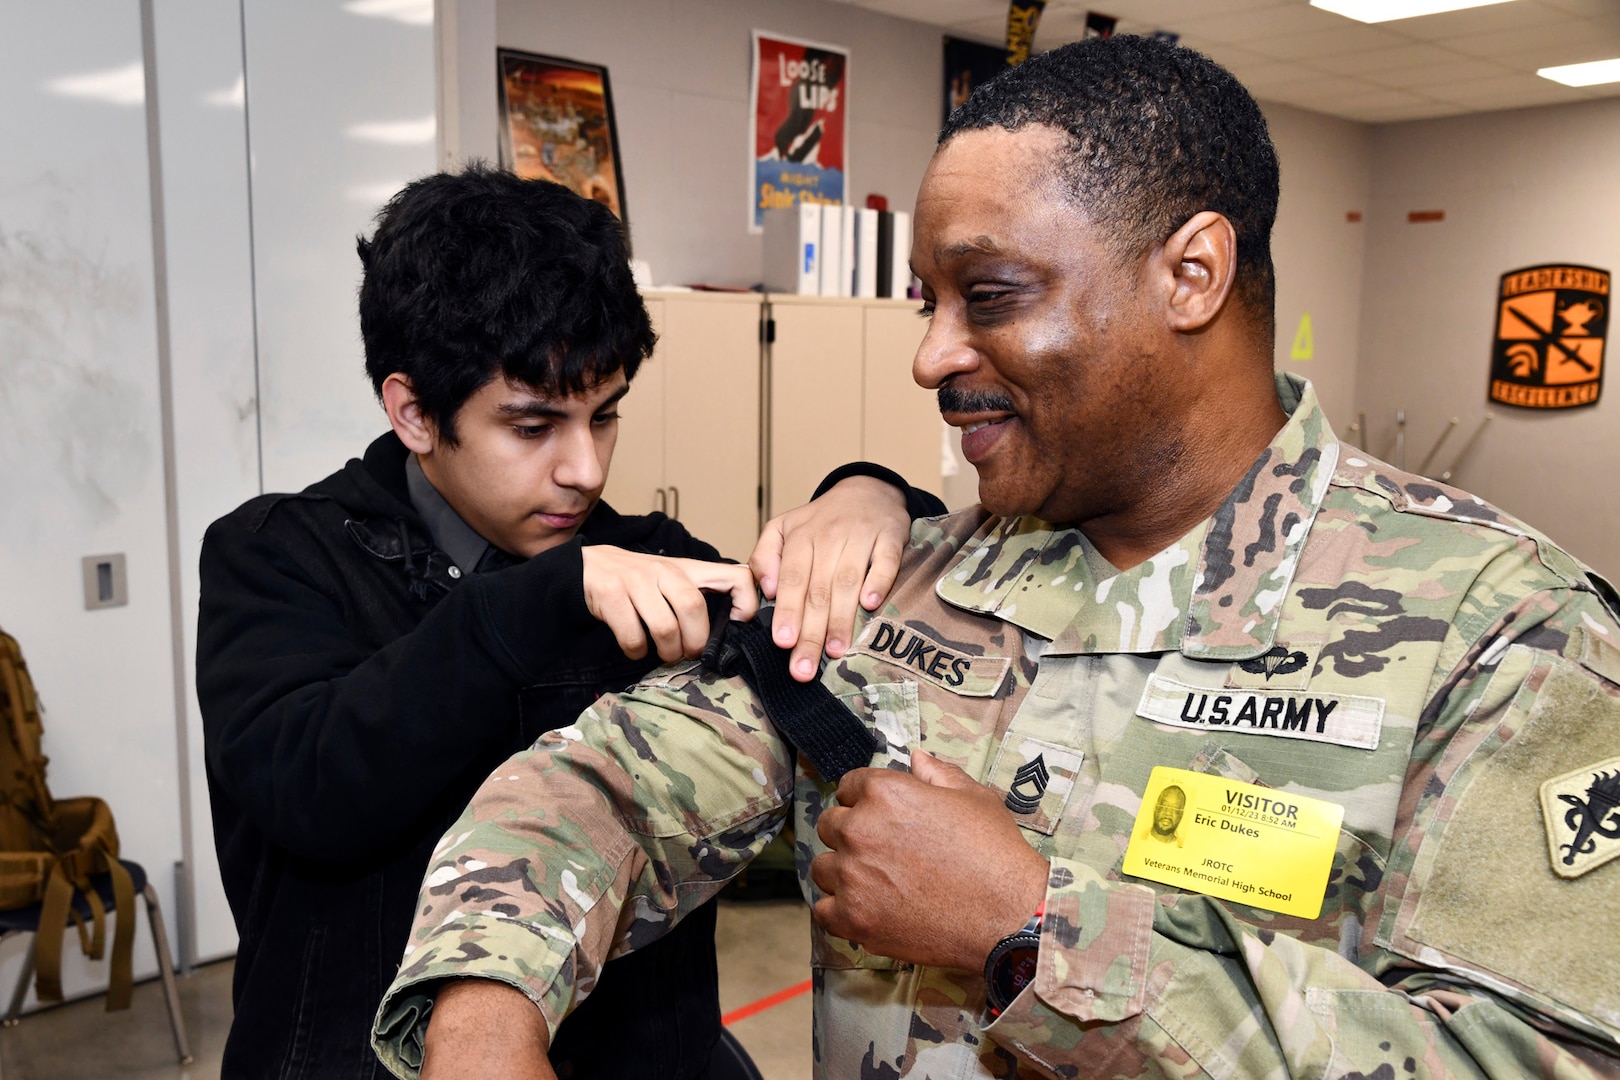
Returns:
(81, 464)
(679, 71)
(1318, 254)
(1518, 189)
(257, 273)
(341, 115)
(198, 50)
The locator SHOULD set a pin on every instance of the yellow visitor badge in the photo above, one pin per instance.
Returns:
(1259, 846)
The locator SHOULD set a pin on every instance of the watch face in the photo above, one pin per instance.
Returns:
(1012, 970)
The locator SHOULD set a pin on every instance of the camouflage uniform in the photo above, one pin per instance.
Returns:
(1471, 660)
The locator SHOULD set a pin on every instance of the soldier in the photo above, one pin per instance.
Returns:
(1177, 574)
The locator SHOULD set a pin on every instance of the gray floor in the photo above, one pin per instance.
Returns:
(764, 947)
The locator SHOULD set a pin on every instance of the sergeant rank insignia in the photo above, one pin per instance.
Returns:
(1551, 323)
(1582, 812)
(1028, 786)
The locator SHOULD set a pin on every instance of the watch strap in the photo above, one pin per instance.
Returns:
(1001, 981)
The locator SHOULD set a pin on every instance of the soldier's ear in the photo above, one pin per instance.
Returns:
(1198, 264)
(405, 414)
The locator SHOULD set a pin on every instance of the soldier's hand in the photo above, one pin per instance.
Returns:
(822, 559)
(927, 867)
(637, 595)
(487, 1029)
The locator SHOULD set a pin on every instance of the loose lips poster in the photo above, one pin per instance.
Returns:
(798, 124)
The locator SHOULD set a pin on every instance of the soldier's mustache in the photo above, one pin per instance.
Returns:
(953, 400)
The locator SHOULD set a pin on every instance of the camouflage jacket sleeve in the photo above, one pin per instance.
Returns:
(589, 845)
(1484, 958)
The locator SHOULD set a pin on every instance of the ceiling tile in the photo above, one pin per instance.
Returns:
(1431, 111)
(1320, 88)
(1439, 74)
(1332, 42)
(1385, 99)
(1166, 13)
(1581, 7)
(1561, 38)
(1245, 27)
(1231, 57)
(938, 12)
(1259, 76)
(1451, 24)
(1411, 55)
(990, 29)
(1508, 91)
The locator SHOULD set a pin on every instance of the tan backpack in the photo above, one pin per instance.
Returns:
(50, 847)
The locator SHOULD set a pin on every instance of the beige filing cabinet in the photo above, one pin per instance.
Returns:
(689, 435)
(841, 390)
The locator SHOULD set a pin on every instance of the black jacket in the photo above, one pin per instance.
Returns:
(354, 694)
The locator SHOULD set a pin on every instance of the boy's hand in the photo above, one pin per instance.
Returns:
(819, 560)
(637, 594)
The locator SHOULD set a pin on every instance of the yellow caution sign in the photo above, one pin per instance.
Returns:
(1256, 845)
(1304, 341)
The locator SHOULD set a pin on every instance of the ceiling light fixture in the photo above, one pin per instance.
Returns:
(1376, 11)
(1588, 74)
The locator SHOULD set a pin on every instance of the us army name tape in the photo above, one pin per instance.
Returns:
(1344, 719)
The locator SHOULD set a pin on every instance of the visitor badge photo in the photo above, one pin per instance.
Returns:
(1259, 846)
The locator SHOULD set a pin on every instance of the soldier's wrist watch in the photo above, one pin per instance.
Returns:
(1011, 964)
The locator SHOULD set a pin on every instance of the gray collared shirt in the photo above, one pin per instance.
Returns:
(454, 536)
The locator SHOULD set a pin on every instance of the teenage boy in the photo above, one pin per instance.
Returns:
(371, 647)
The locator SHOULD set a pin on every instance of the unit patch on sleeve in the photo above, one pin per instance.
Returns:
(1333, 718)
(1582, 812)
(922, 657)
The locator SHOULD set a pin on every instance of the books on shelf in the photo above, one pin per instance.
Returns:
(815, 250)
(846, 253)
(793, 249)
(866, 253)
(832, 249)
(900, 270)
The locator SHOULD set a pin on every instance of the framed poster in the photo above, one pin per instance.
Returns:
(968, 64)
(557, 124)
(798, 130)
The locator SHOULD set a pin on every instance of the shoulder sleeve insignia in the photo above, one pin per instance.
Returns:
(1582, 813)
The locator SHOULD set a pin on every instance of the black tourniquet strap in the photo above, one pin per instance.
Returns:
(806, 714)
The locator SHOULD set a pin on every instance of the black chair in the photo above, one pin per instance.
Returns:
(731, 1061)
(26, 921)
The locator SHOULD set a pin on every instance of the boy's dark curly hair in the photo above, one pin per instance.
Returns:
(479, 274)
(1156, 133)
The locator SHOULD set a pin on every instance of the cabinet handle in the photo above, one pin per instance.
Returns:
(675, 498)
(661, 501)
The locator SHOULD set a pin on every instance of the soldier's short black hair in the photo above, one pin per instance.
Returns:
(1156, 133)
(476, 274)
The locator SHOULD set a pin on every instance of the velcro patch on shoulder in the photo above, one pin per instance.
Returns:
(922, 657)
(1582, 813)
(1598, 653)
(1344, 719)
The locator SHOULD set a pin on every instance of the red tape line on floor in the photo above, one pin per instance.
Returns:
(769, 1001)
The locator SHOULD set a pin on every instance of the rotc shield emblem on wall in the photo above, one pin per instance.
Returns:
(1551, 324)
